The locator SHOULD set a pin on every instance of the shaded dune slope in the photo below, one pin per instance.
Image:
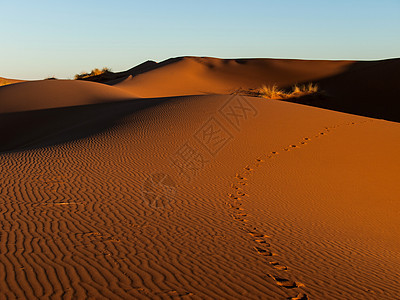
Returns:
(77, 222)
(38, 128)
(366, 88)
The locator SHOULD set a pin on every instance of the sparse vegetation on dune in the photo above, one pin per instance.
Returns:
(93, 73)
(274, 92)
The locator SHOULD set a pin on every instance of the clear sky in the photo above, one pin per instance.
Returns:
(45, 38)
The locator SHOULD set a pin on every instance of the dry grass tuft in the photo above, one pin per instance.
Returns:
(273, 92)
(94, 72)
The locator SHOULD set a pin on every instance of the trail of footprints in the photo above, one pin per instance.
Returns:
(261, 241)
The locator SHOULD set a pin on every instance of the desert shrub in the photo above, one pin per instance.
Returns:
(94, 72)
(274, 92)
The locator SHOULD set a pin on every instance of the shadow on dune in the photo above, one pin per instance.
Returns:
(370, 89)
(41, 128)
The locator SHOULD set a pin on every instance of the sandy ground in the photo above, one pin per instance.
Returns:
(193, 197)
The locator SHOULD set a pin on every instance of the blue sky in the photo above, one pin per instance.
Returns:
(45, 38)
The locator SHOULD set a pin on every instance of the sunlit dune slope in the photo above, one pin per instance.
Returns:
(286, 201)
(45, 94)
(204, 75)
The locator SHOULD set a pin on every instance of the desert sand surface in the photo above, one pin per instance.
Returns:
(140, 191)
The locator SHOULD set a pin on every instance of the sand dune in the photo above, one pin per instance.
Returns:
(104, 195)
(368, 88)
(204, 75)
(252, 220)
(45, 94)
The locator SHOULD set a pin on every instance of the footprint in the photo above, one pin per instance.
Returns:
(306, 139)
(264, 243)
(272, 154)
(293, 146)
(278, 266)
(235, 207)
(235, 187)
(262, 251)
(240, 193)
(259, 160)
(300, 296)
(239, 219)
(247, 168)
(257, 234)
(286, 283)
(240, 177)
(232, 196)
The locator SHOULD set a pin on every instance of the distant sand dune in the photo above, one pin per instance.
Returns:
(195, 75)
(369, 88)
(45, 94)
